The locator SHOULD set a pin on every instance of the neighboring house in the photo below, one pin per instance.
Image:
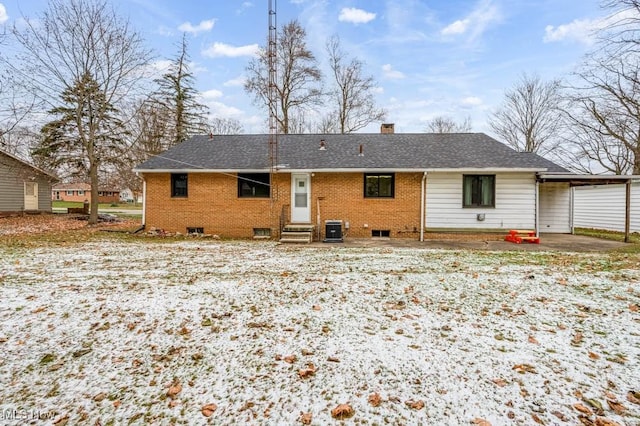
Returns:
(128, 196)
(81, 192)
(604, 207)
(378, 185)
(23, 187)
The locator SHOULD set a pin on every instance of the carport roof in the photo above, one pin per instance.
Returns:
(584, 180)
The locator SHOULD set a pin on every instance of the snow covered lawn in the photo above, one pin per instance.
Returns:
(203, 332)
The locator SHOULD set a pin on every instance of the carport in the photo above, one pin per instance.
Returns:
(574, 180)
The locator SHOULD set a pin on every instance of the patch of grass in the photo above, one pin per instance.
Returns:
(634, 237)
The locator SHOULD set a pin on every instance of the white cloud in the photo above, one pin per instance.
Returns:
(471, 101)
(457, 27)
(476, 23)
(4, 17)
(235, 82)
(584, 30)
(226, 50)
(578, 30)
(187, 27)
(355, 16)
(390, 73)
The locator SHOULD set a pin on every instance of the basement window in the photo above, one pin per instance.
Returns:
(254, 185)
(195, 230)
(259, 233)
(380, 233)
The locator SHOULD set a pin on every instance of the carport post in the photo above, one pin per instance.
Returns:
(627, 211)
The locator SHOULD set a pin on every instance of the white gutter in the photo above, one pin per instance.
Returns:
(348, 170)
(422, 204)
(537, 219)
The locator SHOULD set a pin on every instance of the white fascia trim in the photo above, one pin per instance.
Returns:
(345, 170)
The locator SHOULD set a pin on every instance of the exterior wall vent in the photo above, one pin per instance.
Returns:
(195, 230)
(333, 231)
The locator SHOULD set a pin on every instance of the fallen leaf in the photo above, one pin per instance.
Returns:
(499, 382)
(596, 405)
(536, 419)
(524, 368)
(582, 408)
(99, 397)
(290, 359)
(208, 410)
(633, 307)
(342, 411)
(61, 421)
(305, 418)
(81, 352)
(577, 339)
(480, 422)
(416, 405)
(594, 355)
(333, 359)
(307, 352)
(117, 403)
(533, 340)
(559, 415)
(316, 308)
(585, 420)
(307, 372)
(616, 406)
(603, 421)
(374, 399)
(174, 389)
(633, 397)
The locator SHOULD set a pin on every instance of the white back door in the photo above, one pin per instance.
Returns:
(300, 198)
(31, 196)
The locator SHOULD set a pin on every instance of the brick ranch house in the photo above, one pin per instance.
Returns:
(82, 191)
(373, 185)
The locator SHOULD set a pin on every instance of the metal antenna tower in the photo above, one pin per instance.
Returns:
(272, 90)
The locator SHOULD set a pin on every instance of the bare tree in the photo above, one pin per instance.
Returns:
(353, 92)
(528, 118)
(80, 51)
(178, 96)
(622, 34)
(442, 124)
(604, 113)
(298, 77)
(225, 126)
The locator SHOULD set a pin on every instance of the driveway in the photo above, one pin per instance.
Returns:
(548, 242)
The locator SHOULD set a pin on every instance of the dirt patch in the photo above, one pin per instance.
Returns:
(51, 223)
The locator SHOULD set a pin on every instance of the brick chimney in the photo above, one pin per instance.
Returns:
(387, 128)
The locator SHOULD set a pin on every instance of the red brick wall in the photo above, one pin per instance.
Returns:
(213, 204)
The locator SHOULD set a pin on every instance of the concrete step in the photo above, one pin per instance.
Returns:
(296, 237)
(298, 228)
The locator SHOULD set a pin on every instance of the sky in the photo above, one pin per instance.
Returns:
(452, 58)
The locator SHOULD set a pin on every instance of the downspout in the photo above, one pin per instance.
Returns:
(572, 201)
(144, 201)
(422, 204)
(537, 218)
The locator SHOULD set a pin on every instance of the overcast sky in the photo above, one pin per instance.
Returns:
(429, 58)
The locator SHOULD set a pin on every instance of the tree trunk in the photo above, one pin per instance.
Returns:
(93, 177)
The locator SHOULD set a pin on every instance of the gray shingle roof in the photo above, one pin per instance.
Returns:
(398, 151)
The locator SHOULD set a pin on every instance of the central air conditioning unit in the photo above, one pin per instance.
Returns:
(333, 231)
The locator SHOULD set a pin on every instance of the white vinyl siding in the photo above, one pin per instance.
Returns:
(555, 208)
(603, 207)
(515, 201)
